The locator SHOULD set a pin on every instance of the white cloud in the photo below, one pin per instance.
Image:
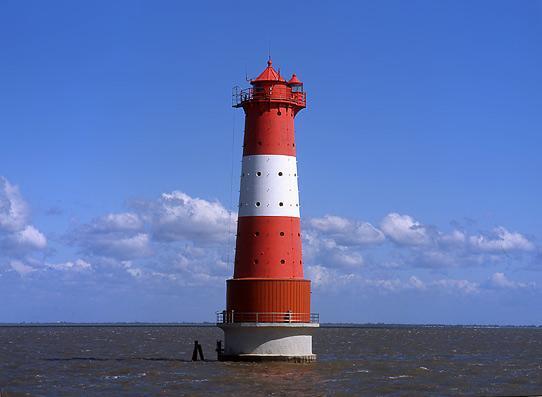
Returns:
(365, 233)
(21, 267)
(133, 246)
(125, 221)
(13, 209)
(330, 223)
(319, 275)
(337, 242)
(77, 265)
(186, 269)
(320, 249)
(135, 272)
(499, 280)
(324, 277)
(119, 236)
(434, 257)
(178, 217)
(30, 237)
(404, 230)
(347, 232)
(455, 238)
(465, 286)
(416, 283)
(186, 236)
(501, 240)
(344, 258)
(18, 238)
(119, 244)
(332, 279)
(387, 285)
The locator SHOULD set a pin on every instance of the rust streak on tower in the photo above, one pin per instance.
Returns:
(267, 312)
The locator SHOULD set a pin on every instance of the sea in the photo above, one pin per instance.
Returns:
(353, 360)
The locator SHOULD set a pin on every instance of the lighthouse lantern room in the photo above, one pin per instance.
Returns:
(267, 314)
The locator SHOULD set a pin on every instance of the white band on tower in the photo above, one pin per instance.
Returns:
(269, 186)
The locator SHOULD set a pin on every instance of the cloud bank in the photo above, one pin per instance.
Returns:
(189, 241)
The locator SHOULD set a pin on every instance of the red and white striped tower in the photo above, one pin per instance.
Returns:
(267, 312)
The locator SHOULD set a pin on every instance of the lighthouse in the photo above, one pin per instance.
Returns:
(268, 310)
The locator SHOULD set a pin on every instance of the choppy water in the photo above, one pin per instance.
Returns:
(137, 361)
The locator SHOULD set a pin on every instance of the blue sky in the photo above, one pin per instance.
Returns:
(419, 156)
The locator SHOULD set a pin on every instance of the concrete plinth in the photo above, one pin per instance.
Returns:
(268, 342)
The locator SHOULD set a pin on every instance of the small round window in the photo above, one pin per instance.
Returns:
(281, 204)
(258, 203)
(282, 261)
(259, 173)
(280, 173)
(282, 233)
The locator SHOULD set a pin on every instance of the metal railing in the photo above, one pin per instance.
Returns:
(270, 93)
(232, 316)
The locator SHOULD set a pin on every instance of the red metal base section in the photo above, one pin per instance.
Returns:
(268, 247)
(246, 297)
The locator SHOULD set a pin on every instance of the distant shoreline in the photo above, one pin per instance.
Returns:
(205, 324)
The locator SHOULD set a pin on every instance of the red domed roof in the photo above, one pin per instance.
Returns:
(294, 80)
(269, 74)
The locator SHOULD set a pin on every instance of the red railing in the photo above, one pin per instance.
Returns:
(228, 317)
(278, 93)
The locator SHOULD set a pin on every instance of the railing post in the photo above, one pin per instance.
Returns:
(256, 317)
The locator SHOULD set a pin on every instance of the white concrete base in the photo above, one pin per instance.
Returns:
(268, 341)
